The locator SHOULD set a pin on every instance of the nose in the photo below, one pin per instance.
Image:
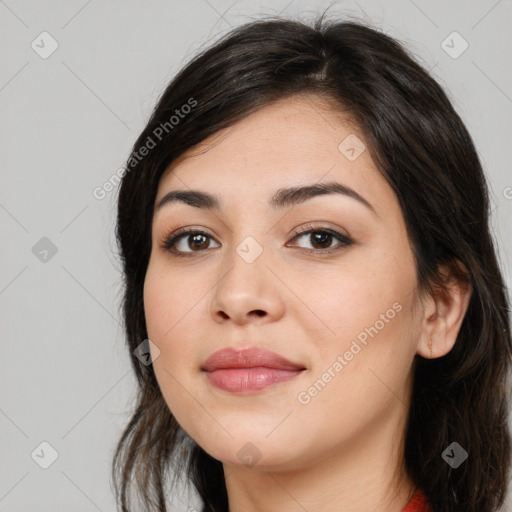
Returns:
(247, 291)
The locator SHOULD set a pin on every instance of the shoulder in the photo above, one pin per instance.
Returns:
(418, 503)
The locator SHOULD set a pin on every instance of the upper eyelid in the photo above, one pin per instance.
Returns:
(301, 230)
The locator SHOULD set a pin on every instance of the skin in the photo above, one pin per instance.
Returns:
(343, 449)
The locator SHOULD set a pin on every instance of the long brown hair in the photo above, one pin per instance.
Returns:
(425, 153)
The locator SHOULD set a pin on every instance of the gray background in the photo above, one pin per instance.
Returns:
(67, 124)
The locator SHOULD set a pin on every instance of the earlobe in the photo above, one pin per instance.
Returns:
(445, 313)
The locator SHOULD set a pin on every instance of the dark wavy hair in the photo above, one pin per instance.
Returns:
(422, 148)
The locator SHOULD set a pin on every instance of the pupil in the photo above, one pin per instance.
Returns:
(196, 238)
(319, 236)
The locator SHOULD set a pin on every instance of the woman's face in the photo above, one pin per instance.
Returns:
(338, 301)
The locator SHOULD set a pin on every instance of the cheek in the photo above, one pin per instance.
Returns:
(171, 307)
(354, 295)
(363, 370)
(157, 308)
(171, 310)
(168, 299)
(366, 318)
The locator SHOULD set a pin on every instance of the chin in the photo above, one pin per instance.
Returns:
(253, 450)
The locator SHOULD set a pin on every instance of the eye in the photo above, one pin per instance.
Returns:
(184, 239)
(185, 242)
(321, 238)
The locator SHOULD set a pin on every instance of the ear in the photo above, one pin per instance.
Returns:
(444, 313)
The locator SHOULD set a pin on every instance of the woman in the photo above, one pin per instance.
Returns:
(313, 304)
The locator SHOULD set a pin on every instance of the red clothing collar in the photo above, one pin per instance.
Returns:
(418, 503)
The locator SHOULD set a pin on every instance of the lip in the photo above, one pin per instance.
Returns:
(247, 370)
(252, 357)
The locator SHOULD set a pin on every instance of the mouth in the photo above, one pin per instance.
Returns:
(248, 370)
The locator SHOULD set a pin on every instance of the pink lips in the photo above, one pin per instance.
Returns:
(247, 370)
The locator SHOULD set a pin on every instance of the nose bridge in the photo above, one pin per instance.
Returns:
(247, 285)
(246, 262)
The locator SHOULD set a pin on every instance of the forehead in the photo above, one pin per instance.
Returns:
(301, 140)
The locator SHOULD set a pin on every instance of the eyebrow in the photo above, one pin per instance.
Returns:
(282, 198)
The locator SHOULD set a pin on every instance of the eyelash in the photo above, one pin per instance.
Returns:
(170, 241)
